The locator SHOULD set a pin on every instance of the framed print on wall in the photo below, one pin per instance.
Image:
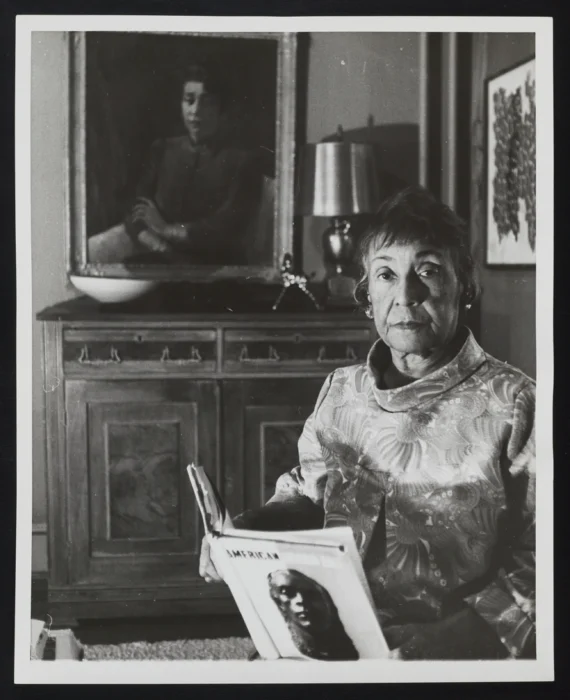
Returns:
(181, 154)
(511, 167)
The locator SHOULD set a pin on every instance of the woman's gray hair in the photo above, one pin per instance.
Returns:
(414, 214)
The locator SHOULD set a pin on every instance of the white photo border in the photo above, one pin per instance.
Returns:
(157, 672)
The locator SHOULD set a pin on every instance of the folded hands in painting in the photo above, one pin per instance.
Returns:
(157, 234)
(147, 212)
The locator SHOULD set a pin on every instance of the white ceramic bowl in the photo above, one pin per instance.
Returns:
(112, 290)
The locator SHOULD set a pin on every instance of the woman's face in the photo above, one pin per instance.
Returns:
(200, 111)
(415, 296)
(300, 601)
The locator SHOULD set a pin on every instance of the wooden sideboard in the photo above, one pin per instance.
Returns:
(131, 399)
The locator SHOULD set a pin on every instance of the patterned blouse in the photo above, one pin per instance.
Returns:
(436, 480)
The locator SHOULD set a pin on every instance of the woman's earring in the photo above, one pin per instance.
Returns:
(368, 310)
(467, 306)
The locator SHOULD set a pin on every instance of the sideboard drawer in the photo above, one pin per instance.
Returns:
(293, 349)
(151, 349)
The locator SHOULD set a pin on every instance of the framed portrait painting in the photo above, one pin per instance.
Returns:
(511, 167)
(181, 154)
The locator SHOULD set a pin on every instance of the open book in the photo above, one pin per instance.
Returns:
(302, 594)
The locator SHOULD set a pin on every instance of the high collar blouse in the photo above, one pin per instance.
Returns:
(436, 480)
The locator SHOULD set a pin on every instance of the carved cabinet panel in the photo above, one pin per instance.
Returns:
(132, 401)
(261, 439)
(131, 509)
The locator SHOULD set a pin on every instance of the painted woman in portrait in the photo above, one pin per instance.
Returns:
(199, 192)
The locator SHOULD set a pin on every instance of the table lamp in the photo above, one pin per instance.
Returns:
(338, 180)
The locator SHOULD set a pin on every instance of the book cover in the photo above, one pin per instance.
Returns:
(302, 594)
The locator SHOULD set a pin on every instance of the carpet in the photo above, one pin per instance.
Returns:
(229, 648)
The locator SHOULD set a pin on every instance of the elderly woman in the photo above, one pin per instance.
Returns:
(426, 452)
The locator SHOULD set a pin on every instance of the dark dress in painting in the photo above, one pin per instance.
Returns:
(210, 189)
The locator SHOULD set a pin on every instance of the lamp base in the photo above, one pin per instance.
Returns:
(339, 245)
(340, 290)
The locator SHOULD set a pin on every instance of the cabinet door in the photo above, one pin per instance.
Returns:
(132, 517)
(263, 421)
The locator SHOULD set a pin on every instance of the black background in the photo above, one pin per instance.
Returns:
(8, 11)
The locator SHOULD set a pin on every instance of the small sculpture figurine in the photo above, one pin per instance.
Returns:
(290, 279)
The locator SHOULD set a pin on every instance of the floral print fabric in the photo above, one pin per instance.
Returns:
(436, 480)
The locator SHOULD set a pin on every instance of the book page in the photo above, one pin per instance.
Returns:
(212, 509)
(259, 634)
(308, 592)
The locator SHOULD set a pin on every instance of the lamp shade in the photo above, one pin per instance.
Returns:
(337, 179)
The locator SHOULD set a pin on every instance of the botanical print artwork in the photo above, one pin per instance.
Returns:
(514, 162)
(511, 157)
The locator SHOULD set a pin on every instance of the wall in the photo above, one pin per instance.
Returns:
(507, 308)
(370, 84)
(49, 284)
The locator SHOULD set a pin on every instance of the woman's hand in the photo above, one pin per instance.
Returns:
(461, 636)
(146, 211)
(153, 242)
(207, 568)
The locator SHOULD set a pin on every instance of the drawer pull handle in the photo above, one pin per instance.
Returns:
(114, 357)
(194, 358)
(351, 356)
(273, 355)
(195, 355)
